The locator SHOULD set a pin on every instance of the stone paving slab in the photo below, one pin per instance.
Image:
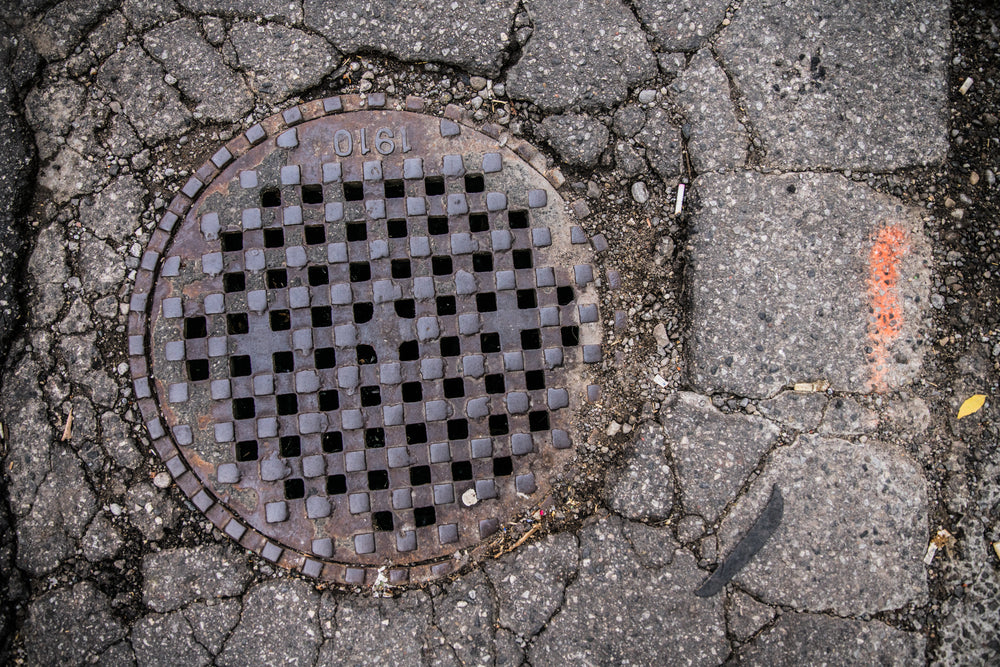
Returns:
(827, 90)
(806, 639)
(602, 52)
(853, 534)
(785, 272)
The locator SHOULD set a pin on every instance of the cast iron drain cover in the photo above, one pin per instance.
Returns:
(359, 338)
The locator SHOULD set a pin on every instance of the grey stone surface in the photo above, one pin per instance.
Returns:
(471, 35)
(100, 268)
(212, 620)
(113, 213)
(662, 142)
(713, 453)
(281, 61)
(579, 140)
(56, 33)
(806, 639)
(17, 161)
(717, 139)
(102, 540)
(628, 160)
(281, 10)
(530, 582)
(28, 460)
(219, 94)
(136, 81)
(619, 612)
(640, 486)
(50, 109)
(845, 416)
(162, 640)
(466, 615)
(853, 534)
(379, 632)
(70, 626)
(745, 616)
(780, 278)
(681, 25)
(584, 53)
(144, 14)
(48, 533)
(174, 577)
(150, 510)
(801, 411)
(279, 625)
(628, 120)
(817, 100)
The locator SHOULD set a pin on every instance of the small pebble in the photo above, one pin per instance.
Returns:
(613, 429)
(639, 192)
(477, 83)
(161, 480)
(647, 96)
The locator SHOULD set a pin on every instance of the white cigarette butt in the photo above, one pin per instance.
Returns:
(680, 199)
(966, 85)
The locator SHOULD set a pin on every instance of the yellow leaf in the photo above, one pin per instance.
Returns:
(971, 405)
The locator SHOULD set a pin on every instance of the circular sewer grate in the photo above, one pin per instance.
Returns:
(359, 336)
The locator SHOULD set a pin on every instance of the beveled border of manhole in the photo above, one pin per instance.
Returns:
(138, 338)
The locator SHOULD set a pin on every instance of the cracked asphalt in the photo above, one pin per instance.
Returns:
(810, 314)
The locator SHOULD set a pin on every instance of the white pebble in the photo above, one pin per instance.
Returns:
(161, 480)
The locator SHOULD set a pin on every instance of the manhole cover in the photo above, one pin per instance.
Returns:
(359, 337)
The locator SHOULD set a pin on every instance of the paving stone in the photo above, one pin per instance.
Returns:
(24, 412)
(150, 510)
(102, 540)
(380, 631)
(909, 415)
(144, 14)
(619, 612)
(509, 650)
(853, 534)
(212, 620)
(530, 582)
(280, 10)
(807, 639)
(640, 486)
(50, 108)
(745, 616)
(845, 416)
(101, 269)
(136, 81)
(56, 33)
(174, 577)
(662, 142)
(713, 453)
(717, 141)
(628, 160)
(118, 442)
(60, 513)
(279, 625)
(281, 61)
(783, 273)
(70, 175)
(816, 99)
(585, 53)
(118, 655)
(166, 640)
(472, 36)
(628, 120)
(219, 94)
(466, 614)
(69, 626)
(113, 214)
(681, 25)
(801, 411)
(579, 140)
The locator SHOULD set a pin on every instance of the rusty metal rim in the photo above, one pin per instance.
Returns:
(139, 344)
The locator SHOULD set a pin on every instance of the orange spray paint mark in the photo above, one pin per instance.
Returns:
(890, 245)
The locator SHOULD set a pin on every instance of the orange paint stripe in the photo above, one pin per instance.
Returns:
(891, 243)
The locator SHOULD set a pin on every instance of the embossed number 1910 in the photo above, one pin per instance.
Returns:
(385, 142)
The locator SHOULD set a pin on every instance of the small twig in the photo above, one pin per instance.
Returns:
(524, 538)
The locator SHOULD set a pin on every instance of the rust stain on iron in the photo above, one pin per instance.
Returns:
(379, 311)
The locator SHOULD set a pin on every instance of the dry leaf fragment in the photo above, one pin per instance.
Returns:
(68, 428)
(971, 405)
